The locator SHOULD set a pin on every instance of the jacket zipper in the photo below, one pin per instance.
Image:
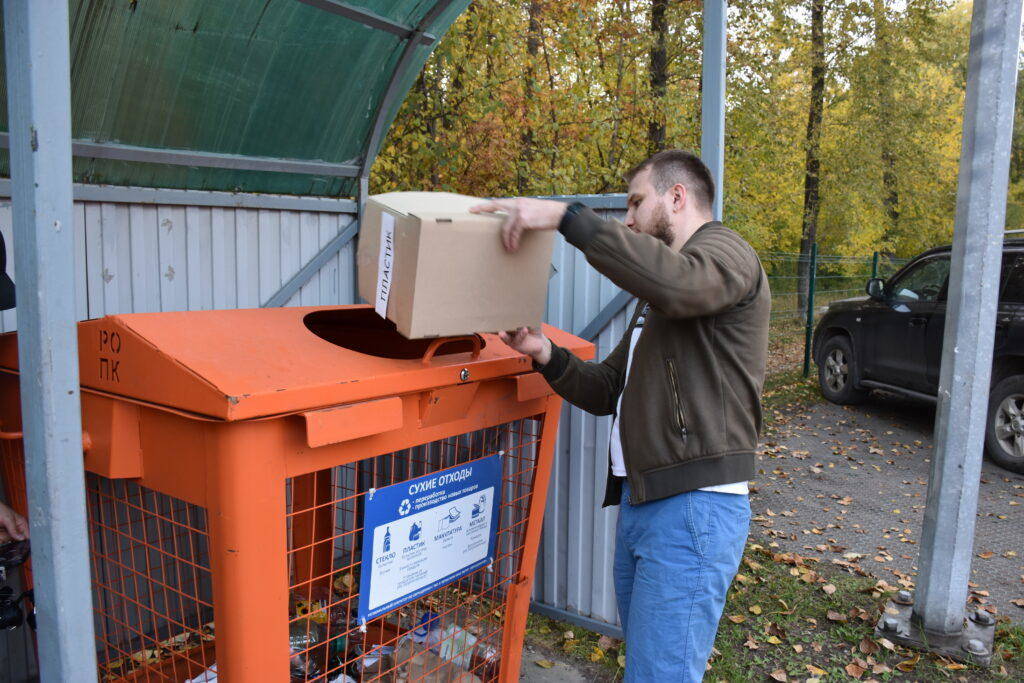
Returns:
(673, 378)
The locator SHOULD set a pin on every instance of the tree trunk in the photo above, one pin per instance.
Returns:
(812, 165)
(886, 111)
(527, 142)
(658, 73)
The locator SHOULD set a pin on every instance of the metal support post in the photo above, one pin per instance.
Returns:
(937, 621)
(39, 104)
(809, 315)
(712, 96)
(874, 265)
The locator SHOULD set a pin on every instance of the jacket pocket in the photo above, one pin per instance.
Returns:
(677, 402)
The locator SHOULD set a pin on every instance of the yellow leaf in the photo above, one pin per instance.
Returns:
(755, 609)
(596, 655)
(908, 665)
(621, 661)
(737, 618)
(815, 671)
(545, 663)
(774, 640)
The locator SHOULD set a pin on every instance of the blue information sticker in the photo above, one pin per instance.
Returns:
(427, 532)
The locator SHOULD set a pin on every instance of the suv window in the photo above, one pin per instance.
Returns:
(1013, 280)
(923, 282)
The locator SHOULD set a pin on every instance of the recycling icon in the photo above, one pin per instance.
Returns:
(404, 508)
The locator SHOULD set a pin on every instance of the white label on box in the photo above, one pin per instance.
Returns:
(385, 263)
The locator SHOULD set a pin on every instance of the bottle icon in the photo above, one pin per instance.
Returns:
(414, 531)
(387, 540)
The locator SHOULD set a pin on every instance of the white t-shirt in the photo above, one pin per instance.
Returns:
(615, 440)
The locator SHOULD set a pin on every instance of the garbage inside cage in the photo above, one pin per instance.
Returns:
(326, 643)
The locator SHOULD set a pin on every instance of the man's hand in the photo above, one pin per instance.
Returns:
(523, 214)
(12, 525)
(531, 341)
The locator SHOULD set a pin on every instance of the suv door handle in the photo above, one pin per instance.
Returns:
(917, 322)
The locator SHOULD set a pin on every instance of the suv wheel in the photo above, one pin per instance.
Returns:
(838, 373)
(1004, 433)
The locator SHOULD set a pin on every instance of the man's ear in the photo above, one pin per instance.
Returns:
(679, 197)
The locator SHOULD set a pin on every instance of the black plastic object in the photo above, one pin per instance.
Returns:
(13, 554)
(6, 284)
(11, 616)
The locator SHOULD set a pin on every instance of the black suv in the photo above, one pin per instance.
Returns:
(892, 340)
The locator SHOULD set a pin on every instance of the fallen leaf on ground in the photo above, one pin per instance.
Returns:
(568, 635)
(604, 642)
(597, 654)
(855, 670)
(828, 588)
(737, 618)
(986, 555)
(836, 616)
(755, 609)
(868, 646)
(908, 665)
(545, 663)
(750, 643)
(815, 670)
(779, 675)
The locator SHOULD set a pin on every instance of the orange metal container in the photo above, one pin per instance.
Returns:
(228, 454)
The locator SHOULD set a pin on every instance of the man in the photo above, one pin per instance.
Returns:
(684, 384)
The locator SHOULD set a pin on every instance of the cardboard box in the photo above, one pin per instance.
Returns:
(443, 271)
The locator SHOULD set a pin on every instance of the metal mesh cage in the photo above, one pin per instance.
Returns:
(152, 592)
(451, 634)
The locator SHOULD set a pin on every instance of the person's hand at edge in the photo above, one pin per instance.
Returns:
(523, 214)
(12, 525)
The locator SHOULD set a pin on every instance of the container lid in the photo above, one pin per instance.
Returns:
(246, 363)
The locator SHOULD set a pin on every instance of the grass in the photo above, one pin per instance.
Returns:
(789, 619)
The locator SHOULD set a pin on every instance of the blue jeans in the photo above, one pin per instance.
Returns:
(674, 561)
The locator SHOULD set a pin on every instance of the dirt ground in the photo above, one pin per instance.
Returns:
(849, 484)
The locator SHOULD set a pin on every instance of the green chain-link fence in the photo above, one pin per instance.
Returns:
(804, 286)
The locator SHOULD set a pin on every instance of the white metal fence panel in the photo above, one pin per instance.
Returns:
(574, 573)
(135, 258)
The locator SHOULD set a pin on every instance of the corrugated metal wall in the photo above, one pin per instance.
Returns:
(144, 257)
(574, 573)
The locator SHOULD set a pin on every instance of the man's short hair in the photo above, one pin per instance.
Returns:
(676, 166)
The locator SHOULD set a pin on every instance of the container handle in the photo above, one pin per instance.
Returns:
(441, 341)
(18, 436)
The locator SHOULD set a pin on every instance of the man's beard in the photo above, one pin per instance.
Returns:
(660, 227)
